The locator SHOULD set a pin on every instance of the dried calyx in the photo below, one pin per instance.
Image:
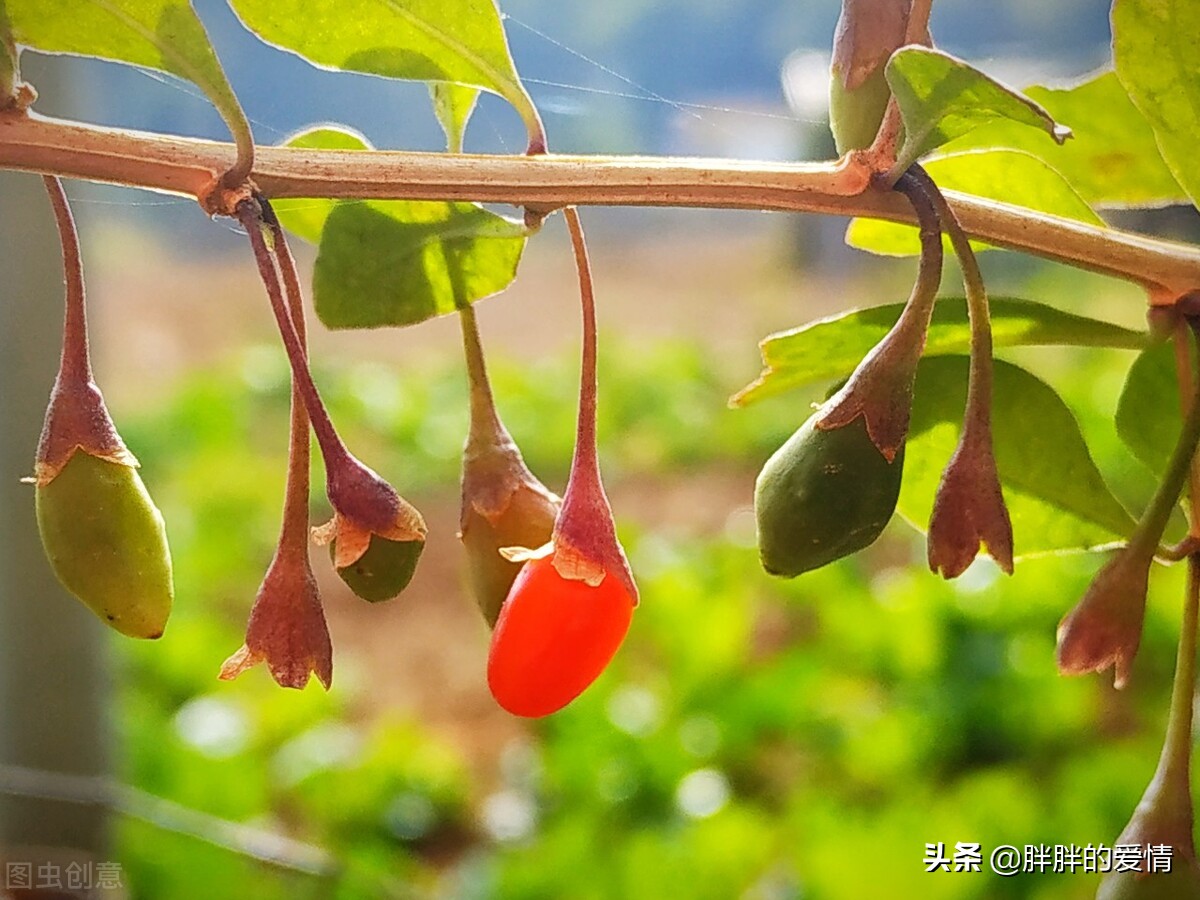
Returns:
(503, 504)
(287, 628)
(584, 543)
(103, 535)
(368, 515)
(881, 388)
(1105, 628)
(969, 510)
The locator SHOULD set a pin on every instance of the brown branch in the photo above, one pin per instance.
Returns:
(189, 167)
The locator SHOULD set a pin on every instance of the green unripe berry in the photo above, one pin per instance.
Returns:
(855, 113)
(107, 543)
(383, 571)
(821, 496)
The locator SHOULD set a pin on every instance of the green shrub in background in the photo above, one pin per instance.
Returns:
(754, 738)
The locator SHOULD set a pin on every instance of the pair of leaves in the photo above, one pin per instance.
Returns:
(157, 34)
(382, 263)
(396, 262)
(830, 348)
(1057, 497)
(459, 44)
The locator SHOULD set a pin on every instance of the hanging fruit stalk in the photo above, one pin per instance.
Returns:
(880, 389)
(103, 535)
(1105, 627)
(376, 535)
(968, 509)
(1164, 816)
(503, 504)
(572, 602)
(830, 490)
(287, 627)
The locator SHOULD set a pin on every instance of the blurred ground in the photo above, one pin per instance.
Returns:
(724, 288)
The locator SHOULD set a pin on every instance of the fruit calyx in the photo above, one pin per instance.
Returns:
(880, 388)
(76, 417)
(584, 541)
(503, 503)
(969, 511)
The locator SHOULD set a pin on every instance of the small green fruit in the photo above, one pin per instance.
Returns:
(107, 543)
(823, 495)
(384, 570)
(855, 113)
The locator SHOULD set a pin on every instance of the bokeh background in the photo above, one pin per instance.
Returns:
(754, 738)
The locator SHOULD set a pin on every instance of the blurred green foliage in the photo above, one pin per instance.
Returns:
(754, 738)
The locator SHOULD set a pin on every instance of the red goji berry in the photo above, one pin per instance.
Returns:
(554, 637)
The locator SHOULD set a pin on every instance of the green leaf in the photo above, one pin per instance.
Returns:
(1155, 45)
(1149, 417)
(831, 348)
(397, 262)
(453, 105)
(406, 261)
(306, 217)
(1056, 496)
(941, 98)
(1011, 176)
(1113, 159)
(460, 41)
(158, 34)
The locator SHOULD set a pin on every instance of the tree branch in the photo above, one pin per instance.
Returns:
(545, 182)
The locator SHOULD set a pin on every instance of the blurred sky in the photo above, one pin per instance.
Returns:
(605, 75)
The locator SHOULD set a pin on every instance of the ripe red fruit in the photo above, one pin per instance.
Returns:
(554, 637)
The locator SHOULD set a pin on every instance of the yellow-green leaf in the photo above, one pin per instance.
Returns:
(397, 262)
(459, 41)
(1155, 48)
(830, 348)
(1011, 176)
(158, 34)
(941, 98)
(1113, 160)
(1056, 496)
(453, 105)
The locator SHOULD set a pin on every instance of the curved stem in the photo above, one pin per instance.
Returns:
(977, 419)
(917, 31)
(294, 531)
(76, 364)
(237, 174)
(327, 437)
(1154, 520)
(586, 460)
(485, 426)
(1184, 368)
(919, 309)
(188, 166)
(1168, 799)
